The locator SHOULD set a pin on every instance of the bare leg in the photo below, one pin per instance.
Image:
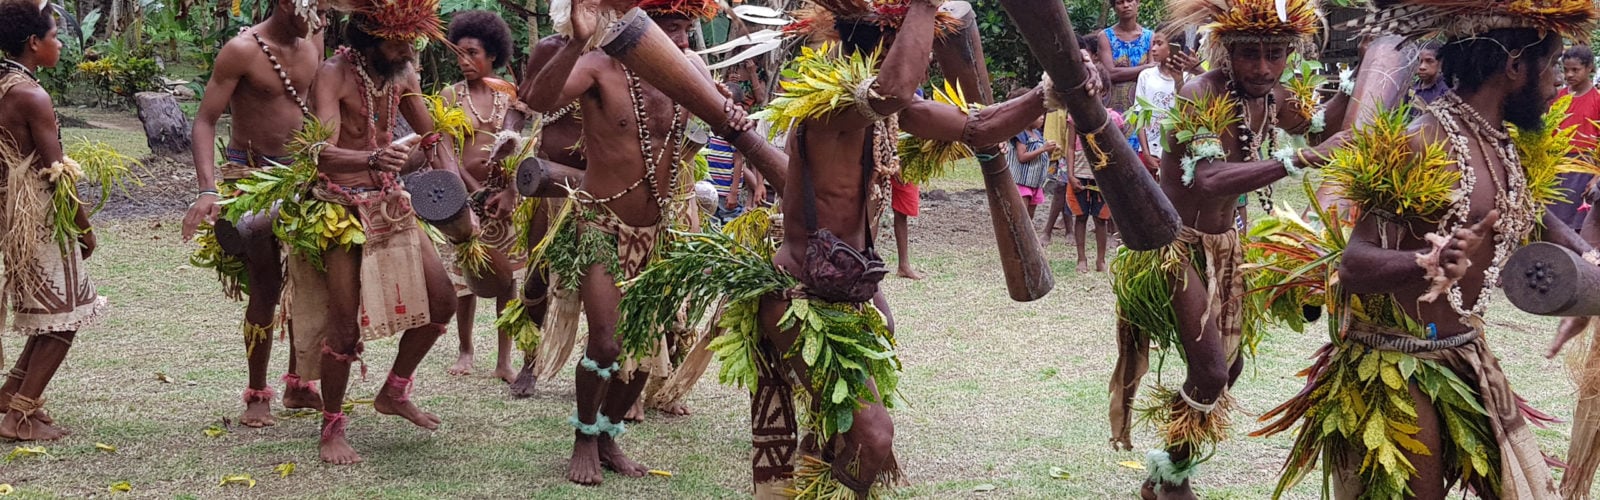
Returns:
(536, 298)
(1209, 371)
(1080, 226)
(502, 357)
(1058, 206)
(594, 381)
(1133, 361)
(394, 398)
(341, 346)
(1101, 228)
(44, 355)
(466, 308)
(902, 243)
(266, 281)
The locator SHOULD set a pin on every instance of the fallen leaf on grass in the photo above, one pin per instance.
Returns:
(162, 376)
(985, 487)
(350, 404)
(243, 479)
(121, 487)
(284, 469)
(215, 430)
(6, 489)
(298, 413)
(1059, 473)
(1132, 464)
(662, 473)
(25, 451)
(105, 447)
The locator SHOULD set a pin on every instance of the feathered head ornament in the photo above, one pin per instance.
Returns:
(692, 9)
(398, 19)
(1225, 22)
(1572, 19)
(817, 19)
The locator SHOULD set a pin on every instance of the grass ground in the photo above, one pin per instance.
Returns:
(998, 395)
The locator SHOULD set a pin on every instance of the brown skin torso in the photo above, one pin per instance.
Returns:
(1408, 234)
(265, 116)
(610, 130)
(474, 158)
(1213, 214)
(831, 158)
(355, 125)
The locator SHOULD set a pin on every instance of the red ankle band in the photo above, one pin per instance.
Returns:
(292, 381)
(258, 395)
(333, 424)
(400, 384)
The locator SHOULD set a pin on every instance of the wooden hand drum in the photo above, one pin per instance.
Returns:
(541, 178)
(1549, 280)
(440, 199)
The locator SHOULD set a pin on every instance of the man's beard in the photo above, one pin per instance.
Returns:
(1524, 108)
(387, 69)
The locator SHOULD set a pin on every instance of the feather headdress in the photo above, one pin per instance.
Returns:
(692, 9)
(1294, 22)
(1572, 19)
(398, 19)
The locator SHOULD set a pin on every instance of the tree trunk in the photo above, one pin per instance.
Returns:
(166, 129)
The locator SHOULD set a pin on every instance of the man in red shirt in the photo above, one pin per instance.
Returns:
(1577, 66)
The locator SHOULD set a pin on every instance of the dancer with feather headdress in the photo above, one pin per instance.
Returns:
(1407, 401)
(1229, 134)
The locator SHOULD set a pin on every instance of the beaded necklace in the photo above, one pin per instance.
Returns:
(672, 144)
(1251, 139)
(497, 112)
(10, 66)
(370, 94)
(282, 73)
(1517, 210)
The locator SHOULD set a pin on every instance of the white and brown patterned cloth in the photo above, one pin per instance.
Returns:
(46, 287)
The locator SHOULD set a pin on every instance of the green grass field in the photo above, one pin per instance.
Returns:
(998, 395)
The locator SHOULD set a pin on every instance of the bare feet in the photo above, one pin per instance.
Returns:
(908, 273)
(523, 386)
(636, 413)
(585, 465)
(301, 396)
(14, 428)
(392, 400)
(39, 415)
(463, 365)
(333, 447)
(675, 409)
(611, 457)
(258, 414)
(1083, 267)
(505, 373)
(1045, 241)
(1100, 266)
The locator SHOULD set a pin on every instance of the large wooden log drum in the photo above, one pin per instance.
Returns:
(645, 49)
(1144, 216)
(1550, 280)
(1027, 272)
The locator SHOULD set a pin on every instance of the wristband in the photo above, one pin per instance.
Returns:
(1592, 256)
(372, 161)
(204, 192)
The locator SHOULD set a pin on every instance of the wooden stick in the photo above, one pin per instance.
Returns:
(1144, 216)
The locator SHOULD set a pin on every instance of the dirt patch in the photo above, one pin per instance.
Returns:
(952, 218)
(168, 188)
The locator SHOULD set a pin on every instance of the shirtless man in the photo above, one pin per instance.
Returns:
(1418, 288)
(262, 77)
(1204, 186)
(46, 286)
(484, 43)
(627, 202)
(394, 282)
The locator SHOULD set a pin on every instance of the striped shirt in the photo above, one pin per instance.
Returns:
(719, 156)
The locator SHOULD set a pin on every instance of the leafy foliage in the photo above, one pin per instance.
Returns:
(1010, 63)
(819, 82)
(1549, 152)
(1379, 172)
(921, 159)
